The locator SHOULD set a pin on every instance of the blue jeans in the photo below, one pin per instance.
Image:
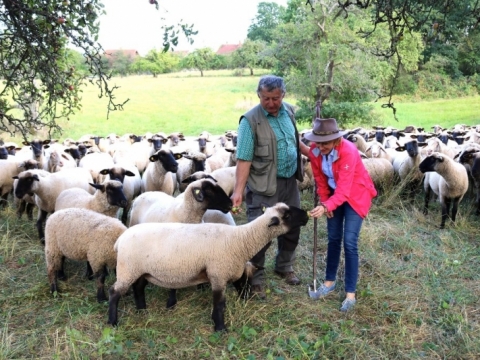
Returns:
(344, 225)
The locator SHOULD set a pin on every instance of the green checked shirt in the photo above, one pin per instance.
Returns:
(286, 144)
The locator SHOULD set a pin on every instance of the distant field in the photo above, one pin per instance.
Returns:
(190, 103)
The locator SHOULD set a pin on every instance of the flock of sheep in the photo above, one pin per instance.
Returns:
(139, 204)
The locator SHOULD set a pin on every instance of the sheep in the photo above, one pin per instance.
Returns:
(381, 171)
(8, 169)
(157, 176)
(37, 150)
(47, 186)
(95, 163)
(359, 142)
(225, 177)
(129, 176)
(176, 258)
(27, 203)
(81, 235)
(232, 157)
(56, 159)
(187, 165)
(470, 158)
(435, 145)
(376, 150)
(308, 180)
(106, 200)
(448, 179)
(189, 207)
(406, 167)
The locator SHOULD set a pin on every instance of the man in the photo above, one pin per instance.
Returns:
(268, 166)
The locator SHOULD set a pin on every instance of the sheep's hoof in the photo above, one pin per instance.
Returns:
(61, 275)
(221, 328)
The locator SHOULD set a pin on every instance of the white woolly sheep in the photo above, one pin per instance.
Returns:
(47, 186)
(381, 172)
(182, 255)
(448, 179)
(188, 207)
(158, 175)
(435, 145)
(96, 162)
(37, 150)
(376, 150)
(81, 235)
(106, 200)
(56, 159)
(406, 167)
(9, 168)
(225, 177)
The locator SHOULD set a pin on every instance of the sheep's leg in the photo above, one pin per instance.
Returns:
(89, 272)
(455, 203)
(52, 278)
(4, 201)
(21, 208)
(172, 298)
(29, 211)
(445, 210)
(219, 302)
(101, 275)
(125, 212)
(113, 306)
(139, 292)
(42, 217)
(428, 191)
(478, 200)
(61, 272)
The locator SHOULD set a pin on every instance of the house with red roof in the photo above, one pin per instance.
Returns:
(112, 54)
(227, 49)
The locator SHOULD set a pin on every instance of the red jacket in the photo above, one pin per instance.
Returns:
(354, 184)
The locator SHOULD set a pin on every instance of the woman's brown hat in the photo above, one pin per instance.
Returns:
(324, 130)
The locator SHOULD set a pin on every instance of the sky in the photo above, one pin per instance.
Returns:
(136, 24)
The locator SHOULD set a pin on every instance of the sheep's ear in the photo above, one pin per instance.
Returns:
(440, 158)
(187, 180)
(105, 171)
(274, 221)
(129, 173)
(153, 158)
(400, 148)
(35, 177)
(198, 194)
(211, 177)
(15, 177)
(177, 156)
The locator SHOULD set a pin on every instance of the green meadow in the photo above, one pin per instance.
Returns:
(418, 291)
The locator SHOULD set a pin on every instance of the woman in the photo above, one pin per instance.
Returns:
(346, 192)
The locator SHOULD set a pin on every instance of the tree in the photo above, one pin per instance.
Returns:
(269, 15)
(40, 81)
(247, 56)
(200, 59)
(156, 62)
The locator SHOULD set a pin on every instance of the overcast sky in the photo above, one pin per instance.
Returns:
(136, 24)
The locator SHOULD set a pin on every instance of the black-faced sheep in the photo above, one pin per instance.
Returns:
(448, 179)
(47, 186)
(106, 200)
(82, 235)
(158, 175)
(176, 259)
(406, 167)
(188, 207)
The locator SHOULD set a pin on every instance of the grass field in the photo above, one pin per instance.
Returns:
(418, 291)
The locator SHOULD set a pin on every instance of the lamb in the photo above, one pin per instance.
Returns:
(448, 179)
(376, 150)
(176, 259)
(82, 235)
(189, 207)
(157, 176)
(107, 199)
(47, 186)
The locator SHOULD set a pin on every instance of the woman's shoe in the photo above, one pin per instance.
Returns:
(348, 305)
(325, 290)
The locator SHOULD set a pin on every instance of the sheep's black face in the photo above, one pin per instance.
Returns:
(412, 148)
(115, 195)
(428, 164)
(24, 186)
(294, 217)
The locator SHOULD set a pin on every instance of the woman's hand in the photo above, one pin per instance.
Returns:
(317, 211)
